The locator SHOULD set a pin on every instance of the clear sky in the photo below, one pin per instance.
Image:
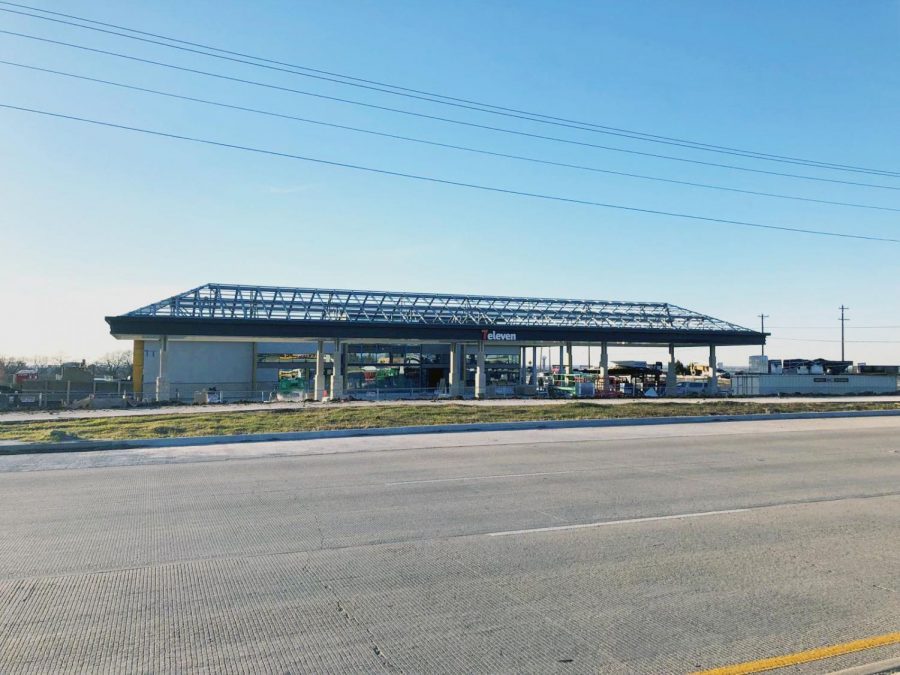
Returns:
(95, 221)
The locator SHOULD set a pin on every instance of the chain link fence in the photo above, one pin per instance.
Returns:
(58, 394)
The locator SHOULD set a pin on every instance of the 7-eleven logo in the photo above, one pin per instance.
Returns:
(494, 336)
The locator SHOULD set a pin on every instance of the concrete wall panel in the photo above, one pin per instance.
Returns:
(199, 364)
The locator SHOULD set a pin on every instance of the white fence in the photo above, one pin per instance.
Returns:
(763, 384)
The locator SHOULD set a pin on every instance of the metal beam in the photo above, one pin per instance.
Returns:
(312, 305)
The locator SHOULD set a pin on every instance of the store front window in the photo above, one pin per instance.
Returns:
(383, 377)
(395, 366)
(498, 368)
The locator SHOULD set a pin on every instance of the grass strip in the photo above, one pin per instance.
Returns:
(311, 418)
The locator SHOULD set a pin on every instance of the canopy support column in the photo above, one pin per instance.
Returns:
(480, 375)
(455, 370)
(319, 392)
(163, 390)
(672, 373)
(137, 370)
(337, 372)
(604, 365)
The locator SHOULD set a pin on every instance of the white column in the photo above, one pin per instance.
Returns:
(569, 365)
(560, 370)
(455, 370)
(337, 372)
(163, 392)
(253, 350)
(534, 366)
(463, 371)
(319, 393)
(672, 373)
(604, 365)
(713, 378)
(480, 375)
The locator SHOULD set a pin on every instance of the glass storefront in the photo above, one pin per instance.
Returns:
(395, 366)
(498, 368)
(293, 372)
(392, 366)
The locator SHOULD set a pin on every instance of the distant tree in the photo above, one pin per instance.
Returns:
(681, 369)
(113, 364)
(9, 366)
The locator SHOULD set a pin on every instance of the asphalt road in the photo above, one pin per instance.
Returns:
(538, 551)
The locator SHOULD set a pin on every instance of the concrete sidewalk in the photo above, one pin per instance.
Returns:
(16, 448)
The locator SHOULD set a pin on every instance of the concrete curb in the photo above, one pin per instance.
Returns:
(185, 441)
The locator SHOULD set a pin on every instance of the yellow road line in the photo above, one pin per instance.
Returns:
(804, 657)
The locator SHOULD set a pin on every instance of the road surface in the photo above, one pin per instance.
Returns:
(621, 550)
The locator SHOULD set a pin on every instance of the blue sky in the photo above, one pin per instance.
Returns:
(96, 221)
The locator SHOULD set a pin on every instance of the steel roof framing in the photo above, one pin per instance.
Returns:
(240, 302)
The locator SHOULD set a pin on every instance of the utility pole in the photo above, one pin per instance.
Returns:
(762, 329)
(843, 321)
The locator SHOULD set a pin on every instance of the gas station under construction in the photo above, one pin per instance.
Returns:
(237, 342)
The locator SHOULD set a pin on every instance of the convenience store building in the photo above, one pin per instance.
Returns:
(242, 340)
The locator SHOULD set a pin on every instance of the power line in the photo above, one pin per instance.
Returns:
(374, 85)
(451, 146)
(444, 181)
(834, 327)
(883, 342)
(443, 119)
